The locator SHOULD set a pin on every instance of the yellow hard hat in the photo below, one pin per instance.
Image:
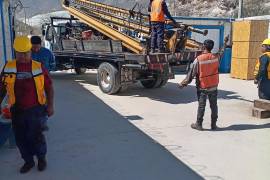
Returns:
(266, 42)
(22, 44)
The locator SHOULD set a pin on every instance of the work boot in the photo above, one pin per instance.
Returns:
(42, 164)
(214, 126)
(27, 167)
(197, 126)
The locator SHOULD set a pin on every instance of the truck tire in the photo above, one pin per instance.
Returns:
(153, 83)
(80, 71)
(108, 78)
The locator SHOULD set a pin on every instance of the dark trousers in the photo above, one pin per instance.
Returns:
(27, 127)
(202, 97)
(264, 89)
(6, 134)
(157, 35)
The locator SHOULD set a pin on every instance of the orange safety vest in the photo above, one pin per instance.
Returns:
(9, 78)
(157, 13)
(208, 70)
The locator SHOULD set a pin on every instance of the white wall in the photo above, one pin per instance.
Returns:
(213, 33)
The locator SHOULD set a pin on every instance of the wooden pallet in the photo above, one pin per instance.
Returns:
(261, 109)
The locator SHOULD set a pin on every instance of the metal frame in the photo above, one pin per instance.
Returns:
(220, 28)
(204, 19)
(3, 30)
(127, 41)
(11, 31)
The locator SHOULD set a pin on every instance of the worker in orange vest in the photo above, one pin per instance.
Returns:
(206, 70)
(158, 10)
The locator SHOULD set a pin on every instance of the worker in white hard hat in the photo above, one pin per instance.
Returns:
(262, 71)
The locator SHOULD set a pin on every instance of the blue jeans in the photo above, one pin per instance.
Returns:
(157, 35)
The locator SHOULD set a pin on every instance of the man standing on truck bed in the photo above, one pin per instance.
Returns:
(42, 54)
(29, 89)
(158, 10)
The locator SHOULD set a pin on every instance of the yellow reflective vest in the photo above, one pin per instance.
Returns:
(257, 67)
(9, 78)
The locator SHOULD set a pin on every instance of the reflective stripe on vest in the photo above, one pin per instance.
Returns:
(9, 78)
(157, 14)
(258, 64)
(208, 70)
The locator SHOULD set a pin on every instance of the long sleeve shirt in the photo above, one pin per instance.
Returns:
(264, 63)
(193, 72)
(164, 9)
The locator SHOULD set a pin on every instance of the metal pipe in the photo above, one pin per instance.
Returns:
(240, 10)
(174, 6)
(127, 41)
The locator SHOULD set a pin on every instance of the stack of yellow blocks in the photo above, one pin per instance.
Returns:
(247, 41)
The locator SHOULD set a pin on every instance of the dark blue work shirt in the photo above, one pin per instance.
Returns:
(46, 57)
(263, 73)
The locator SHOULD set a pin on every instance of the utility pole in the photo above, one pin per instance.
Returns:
(240, 10)
(174, 6)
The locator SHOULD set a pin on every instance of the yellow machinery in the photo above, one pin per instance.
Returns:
(118, 24)
(79, 45)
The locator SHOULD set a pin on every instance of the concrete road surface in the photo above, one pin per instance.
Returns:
(89, 140)
(145, 134)
(240, 150)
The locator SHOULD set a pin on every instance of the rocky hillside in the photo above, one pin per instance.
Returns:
(41, 6)
(209, 8)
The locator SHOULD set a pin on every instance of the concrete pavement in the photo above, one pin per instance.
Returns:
(90, 140)
(240, 150)
(91, 136)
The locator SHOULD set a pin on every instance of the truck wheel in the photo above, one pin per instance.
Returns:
(108, 78)
(153, 83)
(80, 71)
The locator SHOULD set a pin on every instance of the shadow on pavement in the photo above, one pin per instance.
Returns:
(244, 127)
(170, 94)
(89, 140)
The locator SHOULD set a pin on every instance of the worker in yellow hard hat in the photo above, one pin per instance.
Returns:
(30, 95)
(262, 71)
